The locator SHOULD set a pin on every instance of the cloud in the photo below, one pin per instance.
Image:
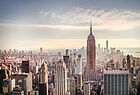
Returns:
(74, 24)
(48, 26)
(78, 19)
(114, 19)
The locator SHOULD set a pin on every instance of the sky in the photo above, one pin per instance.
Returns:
(30, 24)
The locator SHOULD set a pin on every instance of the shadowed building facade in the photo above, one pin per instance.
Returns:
(91, 57)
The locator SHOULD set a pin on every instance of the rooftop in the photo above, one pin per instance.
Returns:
(116, 72)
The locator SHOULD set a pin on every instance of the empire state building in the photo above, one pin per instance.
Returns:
(91, 57)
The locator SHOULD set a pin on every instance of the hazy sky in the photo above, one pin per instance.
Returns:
(30, 24)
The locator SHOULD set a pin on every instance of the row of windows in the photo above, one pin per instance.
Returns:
(116, 84)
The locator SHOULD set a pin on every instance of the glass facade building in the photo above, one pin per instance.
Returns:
(116, 82)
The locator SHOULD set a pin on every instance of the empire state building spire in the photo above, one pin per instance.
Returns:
(91, 57)
(90, 27)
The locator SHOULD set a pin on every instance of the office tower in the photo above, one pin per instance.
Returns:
(112, 66)
(67, 52)
(79, 92)
(15, 69)
(36, 68)
(59, 56)
(3, 76)
(116, 82)
(25, 67)
(43, 73)
(133, 67)
(107, 47)
(18, 91)
(24, 80)
(41, 50)
(43, 90)
(43, 85)
(128, 63)
(99, 48)
(67, 93)
(32, 93)
(138, 83)
(41, 56)
(66, 59)
(86, 88)
(91, 57)
(78, 65)
(123, 63)
(61, 78)
(10, 69)
(78, 81)
(71, 86)
(107, 44)
(78, 72)
(112, 50)
(50, 88)
(117, 66)
(8, 86)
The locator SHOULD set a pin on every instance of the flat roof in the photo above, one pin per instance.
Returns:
(116, 72)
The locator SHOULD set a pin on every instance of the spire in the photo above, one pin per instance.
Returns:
(90, 27)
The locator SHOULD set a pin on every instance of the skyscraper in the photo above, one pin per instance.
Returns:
(116, 82)
(138, 83)
(43, 85)
(18, 91)
(129, 63)
(78, 65)
(66, 59)
(71, 85)
(78, 72)
(61, 78)
(107, 44)
(87, 88)
(25, 67)
(123, 63)
(41, 49)
(107, 47)
(91, 56)
(8, 86)
(24, 80)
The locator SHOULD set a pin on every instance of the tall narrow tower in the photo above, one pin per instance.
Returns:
(129, 63)
(91, 57)
(107, 44)
(43, 85)
(61, 78)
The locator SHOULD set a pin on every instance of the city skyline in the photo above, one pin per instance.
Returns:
(70, 47)
(65, 24)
